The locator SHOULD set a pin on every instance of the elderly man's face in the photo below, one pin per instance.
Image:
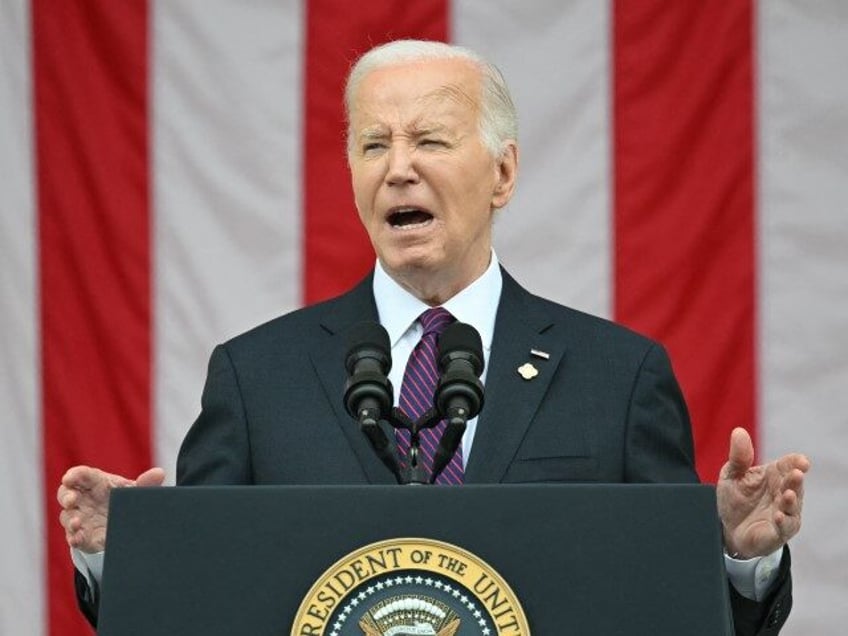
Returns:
(424, 184)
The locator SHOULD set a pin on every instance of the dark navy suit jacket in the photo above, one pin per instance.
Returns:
(605, 407)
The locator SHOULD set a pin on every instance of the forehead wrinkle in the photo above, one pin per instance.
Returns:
(423, 122)
(451, 92)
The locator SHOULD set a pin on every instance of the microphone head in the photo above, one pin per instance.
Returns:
(460, 391)
(368, 340)
(368, 361)
(461, 341)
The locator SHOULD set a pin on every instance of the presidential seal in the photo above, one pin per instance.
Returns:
(410, 587)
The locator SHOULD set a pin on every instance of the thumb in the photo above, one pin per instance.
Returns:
(741, 455)
(152, 477)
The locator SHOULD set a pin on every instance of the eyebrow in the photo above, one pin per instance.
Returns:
(383, 132)
(373, 132)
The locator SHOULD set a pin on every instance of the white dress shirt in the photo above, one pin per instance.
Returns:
(476, 305)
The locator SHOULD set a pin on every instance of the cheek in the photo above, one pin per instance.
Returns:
(363, 196)
(475, 193)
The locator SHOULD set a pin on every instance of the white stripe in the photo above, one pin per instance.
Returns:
(22, 602)
(555, 234)
(803, 53)
(227, 149)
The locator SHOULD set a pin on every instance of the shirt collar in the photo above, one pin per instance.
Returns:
(476, 305)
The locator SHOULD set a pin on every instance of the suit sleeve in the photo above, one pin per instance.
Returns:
(767, 617)
(659, 448)
(216, 449)
(88, 598)
(658, 437)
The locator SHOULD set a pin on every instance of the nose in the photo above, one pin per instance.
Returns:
(401, 165)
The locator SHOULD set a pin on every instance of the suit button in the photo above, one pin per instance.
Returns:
(774, 616)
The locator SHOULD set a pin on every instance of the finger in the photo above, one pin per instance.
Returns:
(790, 498)
(741, 455)
(72, 537)
(152, 477)
(790, 503)
(787, 526)
(793, 461)
(61, 494)
(794, 481)
(67, 498)
(63, 519)
(70, 521)
(82, 477)
(75, 538)
(118, 481)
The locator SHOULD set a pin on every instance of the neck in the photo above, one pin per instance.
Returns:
(436, 288)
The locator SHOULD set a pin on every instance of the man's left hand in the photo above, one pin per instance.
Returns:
(759, 506)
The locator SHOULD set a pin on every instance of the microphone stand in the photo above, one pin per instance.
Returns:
(457, 421)
(369, 424)
(414, 472)
(458, 397)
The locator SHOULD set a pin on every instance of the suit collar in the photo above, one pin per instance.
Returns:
(357, 305)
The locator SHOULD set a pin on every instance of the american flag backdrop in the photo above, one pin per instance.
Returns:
(173, 173)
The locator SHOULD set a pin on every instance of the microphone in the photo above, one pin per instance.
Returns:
(368, 392)
(459, 394)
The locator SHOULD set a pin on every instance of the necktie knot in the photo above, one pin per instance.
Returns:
(435, 320)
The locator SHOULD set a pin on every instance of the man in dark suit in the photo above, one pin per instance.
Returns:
(569, 397)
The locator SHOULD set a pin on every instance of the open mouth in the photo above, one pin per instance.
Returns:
(406, 218)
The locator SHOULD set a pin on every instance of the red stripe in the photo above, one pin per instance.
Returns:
(684, 201)
(337, 252)
(90, 77)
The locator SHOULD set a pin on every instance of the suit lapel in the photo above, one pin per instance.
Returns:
(511, 401)
(328, 360)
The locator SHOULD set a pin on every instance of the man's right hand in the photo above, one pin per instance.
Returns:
(84, 497)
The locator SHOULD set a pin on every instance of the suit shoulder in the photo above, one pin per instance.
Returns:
(287, 325)
(302, 326)
(576, 325)
(586, 327)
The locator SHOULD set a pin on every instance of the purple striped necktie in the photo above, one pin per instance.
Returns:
(416, 396)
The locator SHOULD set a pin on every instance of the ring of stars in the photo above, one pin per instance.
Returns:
(456, 592)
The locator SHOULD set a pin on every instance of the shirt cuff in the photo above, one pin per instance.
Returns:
(89, 565)
(754, 578)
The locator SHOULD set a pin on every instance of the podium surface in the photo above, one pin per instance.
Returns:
(581, 559)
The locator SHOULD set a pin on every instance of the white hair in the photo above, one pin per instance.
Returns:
(498, 117)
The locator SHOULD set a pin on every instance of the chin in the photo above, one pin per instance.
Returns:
(412, 259)
(409, 268)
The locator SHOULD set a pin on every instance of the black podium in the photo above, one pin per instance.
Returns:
(581, 559)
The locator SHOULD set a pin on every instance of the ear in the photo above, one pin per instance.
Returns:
(506, 167)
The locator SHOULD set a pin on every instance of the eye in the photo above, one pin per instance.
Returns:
(432, 142)
(372, 147)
